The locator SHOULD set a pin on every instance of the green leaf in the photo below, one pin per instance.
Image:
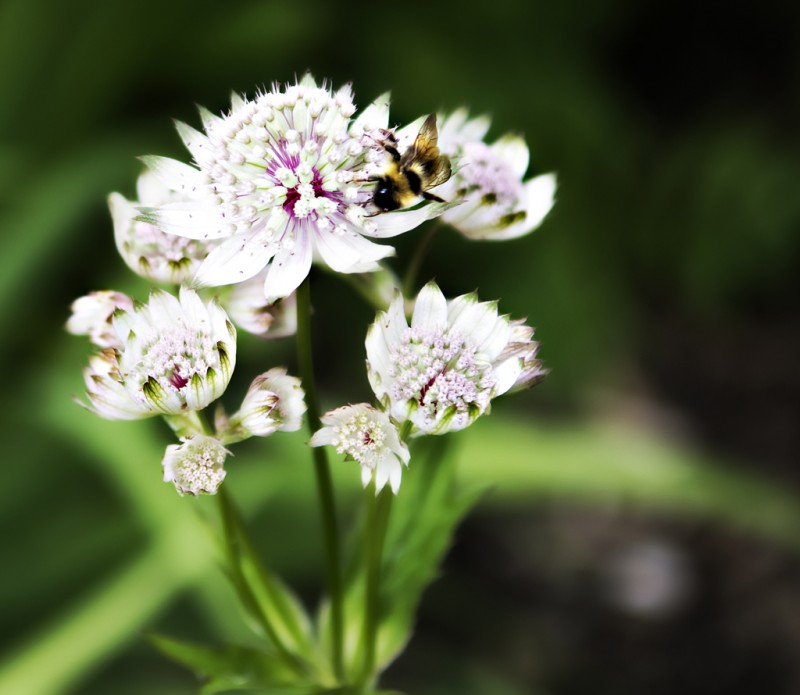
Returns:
(423, 519)
(271, 605)
(421, 529)
(233, 667)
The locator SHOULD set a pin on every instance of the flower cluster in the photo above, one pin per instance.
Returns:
(497, 203)
(281, 181)
(436, 375)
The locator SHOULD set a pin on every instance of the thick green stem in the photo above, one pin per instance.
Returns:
(377, 522)
(323, 474)
(420, 252)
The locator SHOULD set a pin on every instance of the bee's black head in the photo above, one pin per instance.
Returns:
(384, 196)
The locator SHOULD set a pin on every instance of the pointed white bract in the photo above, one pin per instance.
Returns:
(176, 355)
(441, 372)
(281, 181)
(91, 316)
(250, 311)
(149, 252)
(274, 402)
(497, 203)
(196, 466)
(366, 435)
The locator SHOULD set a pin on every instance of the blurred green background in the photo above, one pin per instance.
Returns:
(642, 528)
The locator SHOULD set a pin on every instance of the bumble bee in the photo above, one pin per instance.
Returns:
(411, 174)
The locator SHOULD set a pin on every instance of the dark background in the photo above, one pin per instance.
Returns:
(642, 529)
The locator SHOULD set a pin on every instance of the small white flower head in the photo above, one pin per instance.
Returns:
(274, 402)
(196, 466)
(441, 372)
(91, 315)
(366, 435)
(149, 252)
(498, 204)
(250, 311)
(176, 355)
(280, 181)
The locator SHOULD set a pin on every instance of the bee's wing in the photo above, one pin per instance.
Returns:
(425, 144)
(439, 172)
(424, 153)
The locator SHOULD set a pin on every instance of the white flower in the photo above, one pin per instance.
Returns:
(281, 180)
(249, 310)
(368, 436)
(274, 401)
(442, 372)
(91, 315)
(498, 204)
(148, 251)
(176, 355)
(196, 466)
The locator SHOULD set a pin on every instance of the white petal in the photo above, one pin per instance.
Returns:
(537, 200)
(389, 224)
(381, 476)
(195, 142)
(323, 437)
(210, 120)
(395, 475)
(376, 115)
(506, 374)
(289, 268)
(122, 215)
(350, 252)
(407, 134)
(194, 309)
(478, 321)
(366, 475)
(513, 150)
(475, 129)
(190, 219)
(394, 322)
(236, 101)
(235, 260)
(174, 175)
(308, 81)
(430, 309)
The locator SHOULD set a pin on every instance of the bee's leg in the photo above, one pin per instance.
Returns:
(431, 196)
(365, 179)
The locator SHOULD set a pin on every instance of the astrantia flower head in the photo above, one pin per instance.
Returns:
(196, 466)
(274, 402)
(366, 435)
(91, 315)
(441, 372)
(498, 204)
(149, 252)
(176, 355)
(281, 180)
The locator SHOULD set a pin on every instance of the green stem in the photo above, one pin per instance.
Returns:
(377, 522)
(236, 545)
(323, 475)
(420, 252)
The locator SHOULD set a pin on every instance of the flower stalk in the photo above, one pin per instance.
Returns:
(322, 472)
(378, 508)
